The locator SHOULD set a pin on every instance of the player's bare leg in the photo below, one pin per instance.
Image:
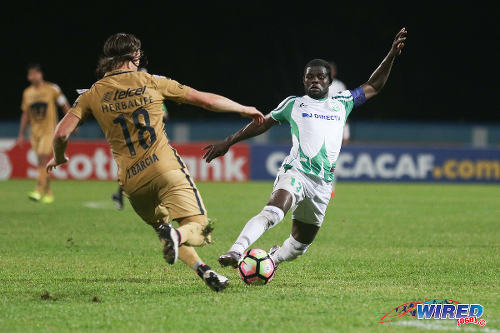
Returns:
(48, 197)
(193, 231)
(178, 243)
(46, 191)
(42, 189)
(278, 205)
(297, 244)
(40, 180)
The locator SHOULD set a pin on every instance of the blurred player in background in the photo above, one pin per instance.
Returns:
(127, 104)
(346, 137)
(336, 86)
(40, 112)
(304, 182)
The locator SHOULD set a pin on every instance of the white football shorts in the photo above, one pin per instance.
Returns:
(311, 195)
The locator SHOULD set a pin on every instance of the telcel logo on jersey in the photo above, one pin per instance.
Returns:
(121, 94)
(463, 313)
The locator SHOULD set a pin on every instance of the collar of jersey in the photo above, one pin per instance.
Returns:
(41, 86)
(116, 72)
(317, 100)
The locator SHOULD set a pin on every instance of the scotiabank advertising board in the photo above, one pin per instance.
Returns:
(93, 160)
(234, 166)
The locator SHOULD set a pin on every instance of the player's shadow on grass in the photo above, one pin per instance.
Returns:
(169, 288)
(90, 280)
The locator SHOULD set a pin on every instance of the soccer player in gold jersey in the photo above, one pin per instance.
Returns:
(40, 112)
(127, 104)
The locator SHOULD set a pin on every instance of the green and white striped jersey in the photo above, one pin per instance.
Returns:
(317, 130)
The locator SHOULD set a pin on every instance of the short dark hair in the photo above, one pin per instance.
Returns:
(34, 65)
(319, 63)
(117, 49)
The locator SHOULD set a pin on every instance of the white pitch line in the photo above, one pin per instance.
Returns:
(443, 326)
(99, 204)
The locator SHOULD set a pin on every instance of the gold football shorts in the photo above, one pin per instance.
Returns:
(169, 196)
(41, 144)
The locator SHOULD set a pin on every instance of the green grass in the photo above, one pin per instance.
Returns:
(381, 245)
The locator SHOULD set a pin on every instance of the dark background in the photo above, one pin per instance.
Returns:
(254, 53)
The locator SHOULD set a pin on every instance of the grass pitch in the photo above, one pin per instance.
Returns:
(80, 265)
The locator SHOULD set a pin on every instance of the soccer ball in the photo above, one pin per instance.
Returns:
(256, 267)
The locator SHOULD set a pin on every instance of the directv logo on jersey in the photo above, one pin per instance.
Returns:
(463, 313)
(320, 116)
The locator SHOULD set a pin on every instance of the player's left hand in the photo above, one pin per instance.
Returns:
(399, 42)
(52, 164)
(215, 150)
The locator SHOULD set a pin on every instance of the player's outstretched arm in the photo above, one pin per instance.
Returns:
(249, 131)
(63, 130)
(379, 77)
(217, 103)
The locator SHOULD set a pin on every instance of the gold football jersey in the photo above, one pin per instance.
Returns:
(40, 104)
(128, 107)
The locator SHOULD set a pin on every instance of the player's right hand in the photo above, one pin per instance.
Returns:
(215, 150)
(52, 164)
(20, 140)
(256, 115)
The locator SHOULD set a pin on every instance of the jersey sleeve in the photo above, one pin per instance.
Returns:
(170, 89)
(345, 97)
(81, 107)
(58, 95)
(283, 112)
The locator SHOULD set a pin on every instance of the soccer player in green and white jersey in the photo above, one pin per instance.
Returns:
(304, 182)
